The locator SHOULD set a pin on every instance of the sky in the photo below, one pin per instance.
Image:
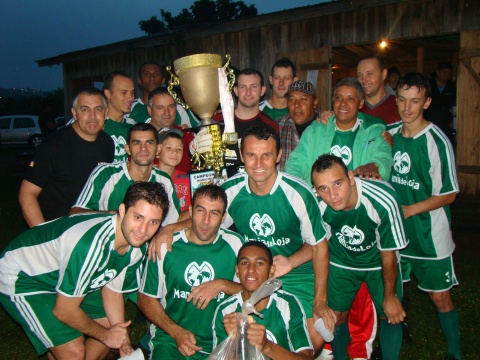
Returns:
(39, 29)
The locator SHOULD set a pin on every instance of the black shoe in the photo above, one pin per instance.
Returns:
(406, 336)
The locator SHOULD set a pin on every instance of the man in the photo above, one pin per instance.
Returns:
(371, 73)
(108, 183)
(302, 103)
(355, 137)
(190, 280)
(119, 90)
(364, 222)
(282, 332)
(443, 99)
(282, 75)
(281, 211)
(424, 177)
(64, 160)
(46, 120)
(393, 76)
(162, 109)
(47, 272)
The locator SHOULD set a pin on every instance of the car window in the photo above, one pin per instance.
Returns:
(5, 123)
(22, 123)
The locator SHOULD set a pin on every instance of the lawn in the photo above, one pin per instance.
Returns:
(428, 342)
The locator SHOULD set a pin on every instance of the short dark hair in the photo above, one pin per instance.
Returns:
(393, 70)
(444, 65)
(251, 71)
(108, 80)
(418, 80)
(350, 82)
(152, 192)
(380, 61)
(284, 62)
(212, 192)
(149, 63)
(260, 245)
(261, 132)
(161, 90)
(325, 162)
(91, 91)
(142, 127)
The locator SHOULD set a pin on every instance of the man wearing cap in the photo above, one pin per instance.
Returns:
(302, 103)
(108, 183)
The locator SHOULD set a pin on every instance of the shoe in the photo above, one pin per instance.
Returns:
(325, 355)
(406, 336)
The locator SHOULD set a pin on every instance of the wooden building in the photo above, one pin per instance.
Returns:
(325, 41)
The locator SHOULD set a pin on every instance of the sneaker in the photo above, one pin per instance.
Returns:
(325, 355)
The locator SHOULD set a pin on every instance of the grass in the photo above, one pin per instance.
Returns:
(428, 343)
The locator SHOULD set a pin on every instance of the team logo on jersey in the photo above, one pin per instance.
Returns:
(343, 152)
(119, 145)
(262, 225)
(103, 279)
(401, 162)
(198, 274)
(351, 236)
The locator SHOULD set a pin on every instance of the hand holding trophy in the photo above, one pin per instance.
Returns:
(204, 85)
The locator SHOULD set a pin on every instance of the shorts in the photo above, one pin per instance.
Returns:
(303, 287)
(434, 275)
(35, 314)
(406, 269)
(164, 347)
(343, 285)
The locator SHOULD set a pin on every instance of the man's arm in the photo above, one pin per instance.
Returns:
(321, 261)
(154, 312)
(68, 311)
(202, 295)
(79, 210)
(28, 199)
(283, 264)
(165, 235)
(377, 151)
(391, 304)
(432, 203)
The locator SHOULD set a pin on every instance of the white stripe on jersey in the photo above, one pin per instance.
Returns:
(391, 206)
(28, 314)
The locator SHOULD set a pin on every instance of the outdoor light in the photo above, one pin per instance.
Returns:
(383, 44)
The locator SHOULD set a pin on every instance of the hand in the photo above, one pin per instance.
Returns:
(368, 172)
(408, 211)
(165, 235)
(388, 138)
(321, 310)
(186, 342)
(394, 310)
(257, 336)
(202, 142)
(126, 349)
(118, 335)
(282, 265)
(230, 323)
(324, 116)
(201, 295)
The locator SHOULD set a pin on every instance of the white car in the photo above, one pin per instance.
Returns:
(20, 130)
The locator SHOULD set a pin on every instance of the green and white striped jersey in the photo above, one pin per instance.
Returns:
(424, 166)
(118, 132)
(375, 224)
(108, 183)
(72, 255)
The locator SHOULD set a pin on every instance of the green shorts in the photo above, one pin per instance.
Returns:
(164, 347)
(35, 314)
(343, 285)
(433, 275)
(406, 269)
(303, 287)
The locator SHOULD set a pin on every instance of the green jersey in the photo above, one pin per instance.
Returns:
(375, 224)
(272, 112)
(118, 132)
(424, 166)
(108, 183)
(171, 278)
(342, 145)
(139, 112)
(284, 320)
(72, 255)
(284, 219)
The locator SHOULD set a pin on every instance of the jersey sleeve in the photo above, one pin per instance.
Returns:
(174, 204)
(219, 333)
(443, 171)
(297, 327)
(153, 278)
(89, 198)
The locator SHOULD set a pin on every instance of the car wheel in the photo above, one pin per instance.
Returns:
(35, 140)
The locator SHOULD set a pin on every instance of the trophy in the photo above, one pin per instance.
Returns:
(204, 84)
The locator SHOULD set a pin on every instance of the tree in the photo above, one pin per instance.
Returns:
(201, 12)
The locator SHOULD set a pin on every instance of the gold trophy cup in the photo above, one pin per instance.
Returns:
(198, 77)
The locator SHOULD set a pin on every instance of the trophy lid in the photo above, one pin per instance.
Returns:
(197, 61)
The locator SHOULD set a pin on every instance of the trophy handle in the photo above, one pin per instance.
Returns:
(229, 72)
(175, 81)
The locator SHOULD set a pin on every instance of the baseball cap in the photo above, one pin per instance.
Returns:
(163, 133)
(302, 86)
